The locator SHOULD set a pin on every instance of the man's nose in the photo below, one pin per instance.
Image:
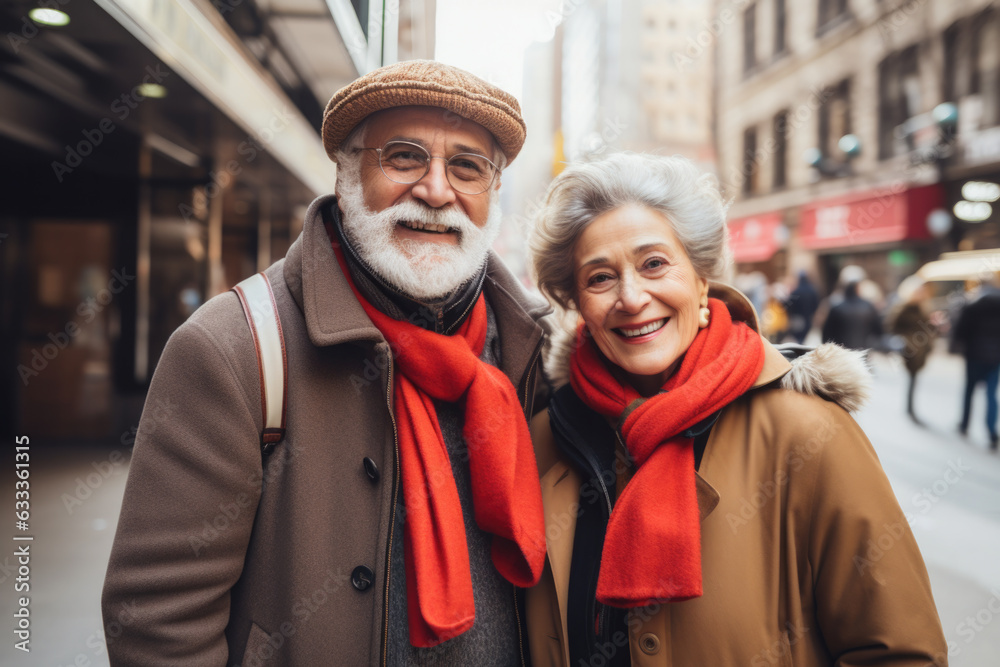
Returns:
(434, 189)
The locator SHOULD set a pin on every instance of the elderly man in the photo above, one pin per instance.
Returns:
(401, 514)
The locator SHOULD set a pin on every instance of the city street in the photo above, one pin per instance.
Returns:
(948, 486)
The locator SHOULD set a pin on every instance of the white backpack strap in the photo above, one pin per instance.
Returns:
(265, 327)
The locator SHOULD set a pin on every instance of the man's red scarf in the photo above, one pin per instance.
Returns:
(506, 494)
(652, 549)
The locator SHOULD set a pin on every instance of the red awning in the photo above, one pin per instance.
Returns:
(873, 216)
(756, 238)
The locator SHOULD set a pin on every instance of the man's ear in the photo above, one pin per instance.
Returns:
(497, 186)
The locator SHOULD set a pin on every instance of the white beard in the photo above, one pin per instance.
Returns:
(425, 271)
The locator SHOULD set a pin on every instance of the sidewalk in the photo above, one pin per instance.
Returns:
(949, 487)
(76, 493)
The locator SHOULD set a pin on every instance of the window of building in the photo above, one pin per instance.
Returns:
(899, 98)
(361, 9)
(779, 27)
(830, 13)
(960, 58)
(834, 118)
(749, 38)
(750, 161)
(780, 130)
(972, 68)
(989, 67)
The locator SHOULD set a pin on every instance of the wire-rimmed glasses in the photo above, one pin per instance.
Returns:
(406, 163)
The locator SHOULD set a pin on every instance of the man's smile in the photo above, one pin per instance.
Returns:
(427, 232)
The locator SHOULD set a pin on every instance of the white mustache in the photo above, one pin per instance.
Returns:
(413, 212)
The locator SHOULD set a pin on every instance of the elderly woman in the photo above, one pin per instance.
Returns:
(706, 503)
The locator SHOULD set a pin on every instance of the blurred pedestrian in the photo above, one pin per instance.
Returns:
(852, 273)
(978, 334)
(870, 291)
(754, 286)
(774, 318)
(911, 321)
(801, 308)
(854, 322)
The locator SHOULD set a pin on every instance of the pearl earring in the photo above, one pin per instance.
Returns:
(703, 316)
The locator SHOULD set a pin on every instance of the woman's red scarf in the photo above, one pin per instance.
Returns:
(506, 493)
(652, 549)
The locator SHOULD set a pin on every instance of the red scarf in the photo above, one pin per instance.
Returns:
(652, 548)
(506, 493)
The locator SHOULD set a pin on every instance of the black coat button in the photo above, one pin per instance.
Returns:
(371, 469)
(362, 578)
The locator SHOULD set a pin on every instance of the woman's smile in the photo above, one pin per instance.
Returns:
(641, 333)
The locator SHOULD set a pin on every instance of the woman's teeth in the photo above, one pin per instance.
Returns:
(649, 328)
(425, 226)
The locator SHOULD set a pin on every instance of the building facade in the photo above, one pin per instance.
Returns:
(846, 130)
(618, 75)
(156, 153)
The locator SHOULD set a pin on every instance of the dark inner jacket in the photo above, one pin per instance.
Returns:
(584, 437)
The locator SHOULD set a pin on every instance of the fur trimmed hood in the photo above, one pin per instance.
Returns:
(832, 372)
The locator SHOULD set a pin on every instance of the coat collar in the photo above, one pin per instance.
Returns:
(334, 316)
(741, 310)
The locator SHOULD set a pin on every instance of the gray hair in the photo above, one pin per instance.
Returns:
(672, 186)
(348, 156)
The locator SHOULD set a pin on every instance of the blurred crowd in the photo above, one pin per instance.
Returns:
(905, 323)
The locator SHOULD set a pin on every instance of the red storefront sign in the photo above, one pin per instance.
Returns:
(865, 218)
(756, 238)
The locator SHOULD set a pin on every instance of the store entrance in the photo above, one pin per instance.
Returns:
(71, 320)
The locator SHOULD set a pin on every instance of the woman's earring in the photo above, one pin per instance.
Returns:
(703, 315)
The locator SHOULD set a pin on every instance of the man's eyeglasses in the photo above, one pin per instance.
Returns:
(406, 163)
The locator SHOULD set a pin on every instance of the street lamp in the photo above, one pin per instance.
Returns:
(850, 146)
(917, 134)
(946, 117)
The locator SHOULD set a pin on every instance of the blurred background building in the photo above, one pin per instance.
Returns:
(158, 151)
(862, 132)
(155, 153)
(613, 75)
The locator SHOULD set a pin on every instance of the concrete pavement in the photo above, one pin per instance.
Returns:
(949, 487)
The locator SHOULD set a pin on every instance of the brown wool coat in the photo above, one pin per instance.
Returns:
(208, 570)
(807, 558)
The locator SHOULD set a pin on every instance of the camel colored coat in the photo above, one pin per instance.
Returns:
(807, 558)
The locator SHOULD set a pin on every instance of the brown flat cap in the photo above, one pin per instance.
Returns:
(424, 83)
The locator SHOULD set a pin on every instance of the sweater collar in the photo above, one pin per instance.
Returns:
(443, 316)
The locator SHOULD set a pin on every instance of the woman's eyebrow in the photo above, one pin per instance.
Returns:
(595, 260)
